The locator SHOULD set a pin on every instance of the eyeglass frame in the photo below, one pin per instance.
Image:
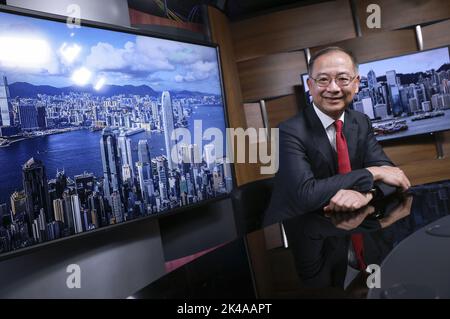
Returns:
(334, 78)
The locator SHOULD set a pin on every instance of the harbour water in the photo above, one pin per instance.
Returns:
(79, 151)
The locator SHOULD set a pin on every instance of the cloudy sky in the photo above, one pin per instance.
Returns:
(44, 52)
(411, 63)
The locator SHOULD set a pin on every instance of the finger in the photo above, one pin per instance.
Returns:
(406, 182)
(330, 206)
(346, 225)
(370, 210)
(340, 226)
(351, 204)
(335, 199)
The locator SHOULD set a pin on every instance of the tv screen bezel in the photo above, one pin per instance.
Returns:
(382, 59)
(133, 31)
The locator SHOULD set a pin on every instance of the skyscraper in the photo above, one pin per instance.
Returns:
(116, 205)
(194, 154)
(76, 211)
(145, 180)
(68, 214)
(372, 80)
(391, 78)
(167, 114)
(111, 163)
(28, 116)
(18, 203)
(41, 117)
(143, 151)
(3, 212)
(6, 115)
(58, 208)
(155, 113)
(210, 156)
(125, 151)
(127, 174)
(36, 190)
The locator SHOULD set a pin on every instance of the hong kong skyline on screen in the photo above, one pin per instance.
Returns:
(88, 128)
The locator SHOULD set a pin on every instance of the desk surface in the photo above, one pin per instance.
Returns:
(411, 249)
(418, 267)
(412, 252)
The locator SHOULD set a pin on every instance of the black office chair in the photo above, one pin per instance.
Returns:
(250, 202)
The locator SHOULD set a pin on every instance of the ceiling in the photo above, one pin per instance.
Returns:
(188, 10)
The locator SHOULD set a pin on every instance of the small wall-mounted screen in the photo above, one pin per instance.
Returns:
(405, 95)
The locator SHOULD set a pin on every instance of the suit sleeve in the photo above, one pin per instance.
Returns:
(308, 192)
(375, 156)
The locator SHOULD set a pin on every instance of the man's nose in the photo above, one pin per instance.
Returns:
(333, 87)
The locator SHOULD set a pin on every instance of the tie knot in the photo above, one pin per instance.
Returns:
(338, 125)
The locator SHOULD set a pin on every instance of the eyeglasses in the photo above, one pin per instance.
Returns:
(341, 80)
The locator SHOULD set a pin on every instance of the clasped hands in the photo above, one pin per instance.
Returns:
(350, 200)
(352, 203)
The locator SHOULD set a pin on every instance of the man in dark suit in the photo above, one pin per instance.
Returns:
(329, 158)
(308, 177)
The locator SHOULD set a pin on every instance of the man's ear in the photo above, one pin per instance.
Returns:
(357, 81)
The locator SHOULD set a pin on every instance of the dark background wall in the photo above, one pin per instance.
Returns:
(114, 264)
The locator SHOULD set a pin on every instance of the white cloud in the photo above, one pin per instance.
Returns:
(69, 53)
(28, 53)
(140, 56)
(104, 56)
(179, 78)
(198, 71)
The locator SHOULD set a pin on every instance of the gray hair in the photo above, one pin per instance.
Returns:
(328, 50)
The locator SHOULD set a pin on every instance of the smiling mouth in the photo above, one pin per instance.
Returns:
(333, 98)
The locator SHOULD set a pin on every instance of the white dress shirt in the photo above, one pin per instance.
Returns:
(328, 125)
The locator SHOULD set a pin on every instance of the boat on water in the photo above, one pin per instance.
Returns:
(427, 115)
(95, 128)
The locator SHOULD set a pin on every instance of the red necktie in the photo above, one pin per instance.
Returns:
(344, 167)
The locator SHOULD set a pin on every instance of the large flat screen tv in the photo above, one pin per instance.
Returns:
(102, 125)
(404, 95)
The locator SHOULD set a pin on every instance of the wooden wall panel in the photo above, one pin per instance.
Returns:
(427, 171)
(378, 46)
(281, 109)
(414, 149)
(221, 34)
(253, 115)
(417, 156)
(293, 29)
(446, 143)
(272, 75)
(436, 35)
(396, 14)
(138, 17)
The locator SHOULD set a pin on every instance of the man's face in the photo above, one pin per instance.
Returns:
(333, 98)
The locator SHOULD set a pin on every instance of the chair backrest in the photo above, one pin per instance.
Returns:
(250, 202)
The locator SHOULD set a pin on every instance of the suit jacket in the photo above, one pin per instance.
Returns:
(308, 177)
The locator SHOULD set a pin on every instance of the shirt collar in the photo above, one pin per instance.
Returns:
(324, 118)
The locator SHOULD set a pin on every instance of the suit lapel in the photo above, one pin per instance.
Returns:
(351, 135)
(320, 139)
